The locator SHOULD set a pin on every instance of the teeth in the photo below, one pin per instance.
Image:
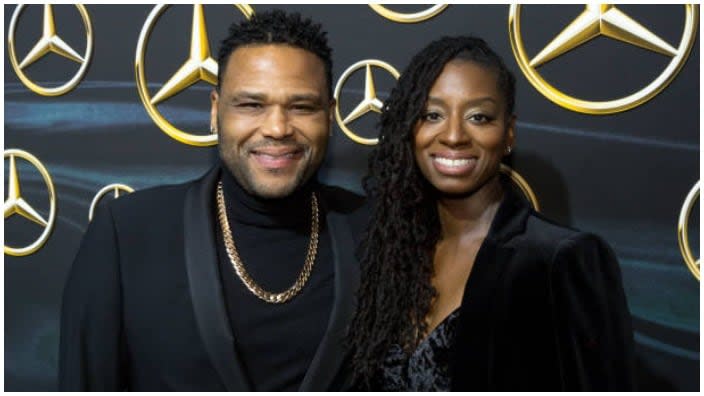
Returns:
(452, 162)
(285, 155)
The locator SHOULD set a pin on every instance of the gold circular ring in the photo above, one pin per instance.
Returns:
(522, 184)
(69, 85)
(338, 89)
(683, 232)
(115, 186)
(37, 244)
(191, 139)
(414, 17)
(608, 106)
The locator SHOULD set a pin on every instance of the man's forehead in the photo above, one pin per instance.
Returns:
(243, 93)
(275, 61)
(283, 57)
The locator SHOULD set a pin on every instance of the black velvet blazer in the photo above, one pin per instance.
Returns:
(543, 310)
(143, 307)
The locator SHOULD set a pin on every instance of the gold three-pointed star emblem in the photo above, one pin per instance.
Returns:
(413, 17)
(116, 188)
(198, 66)
(50, 42)
(609, 21)
(370, 102)
(15, 204)
(683, 231)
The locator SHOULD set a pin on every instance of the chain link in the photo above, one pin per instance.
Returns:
(276, 298)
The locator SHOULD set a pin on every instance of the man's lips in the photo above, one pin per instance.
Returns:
(276, 157)
(276, 151)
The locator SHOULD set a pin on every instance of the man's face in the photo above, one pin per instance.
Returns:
(273, 117)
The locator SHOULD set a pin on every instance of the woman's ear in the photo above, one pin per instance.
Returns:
(510, 136)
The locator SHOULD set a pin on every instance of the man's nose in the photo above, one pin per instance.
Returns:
(276, 125)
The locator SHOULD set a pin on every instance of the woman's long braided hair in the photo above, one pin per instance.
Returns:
(396, 293)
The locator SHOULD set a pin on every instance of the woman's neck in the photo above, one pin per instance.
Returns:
(470, 215)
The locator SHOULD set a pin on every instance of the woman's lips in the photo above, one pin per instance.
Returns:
(454, 165)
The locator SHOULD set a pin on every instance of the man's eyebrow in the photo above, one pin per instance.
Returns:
(245, 95)
(306, 98)
(256, 96)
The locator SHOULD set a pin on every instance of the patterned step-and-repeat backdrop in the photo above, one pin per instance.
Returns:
(607, 137)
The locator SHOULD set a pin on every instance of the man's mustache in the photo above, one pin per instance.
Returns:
(277, 144)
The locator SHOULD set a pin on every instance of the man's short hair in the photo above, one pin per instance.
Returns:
(278, 27)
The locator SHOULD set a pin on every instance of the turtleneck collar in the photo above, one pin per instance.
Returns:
(242, 207)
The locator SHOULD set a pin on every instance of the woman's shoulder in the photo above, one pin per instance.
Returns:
(551, 237)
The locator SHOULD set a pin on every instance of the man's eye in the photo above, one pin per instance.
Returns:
(303, 108)
(249, 105)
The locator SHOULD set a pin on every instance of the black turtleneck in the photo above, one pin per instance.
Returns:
(275, 342)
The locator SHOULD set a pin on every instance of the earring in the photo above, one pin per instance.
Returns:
(508, 149)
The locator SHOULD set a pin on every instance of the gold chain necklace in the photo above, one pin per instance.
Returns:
(276, 298)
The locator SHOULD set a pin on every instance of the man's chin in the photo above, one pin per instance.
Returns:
(267, 184)
(274, 189)
(273, 193)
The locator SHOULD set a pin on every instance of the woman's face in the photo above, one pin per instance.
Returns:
(464, 131)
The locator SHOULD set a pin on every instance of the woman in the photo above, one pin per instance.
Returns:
(464, 286)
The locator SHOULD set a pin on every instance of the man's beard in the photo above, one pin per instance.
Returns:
(246, 179)
(237, 162)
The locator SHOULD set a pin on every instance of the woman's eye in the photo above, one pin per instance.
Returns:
(481, 118)
(431, 116)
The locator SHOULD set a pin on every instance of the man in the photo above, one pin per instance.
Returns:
(243, 279)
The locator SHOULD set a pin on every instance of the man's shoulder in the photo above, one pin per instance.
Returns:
(156, 196)
(341, 200)
(353, 206)
(152, 200)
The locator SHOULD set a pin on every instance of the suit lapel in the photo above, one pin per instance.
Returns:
(474, 331)
(206, 291)
(330, 353)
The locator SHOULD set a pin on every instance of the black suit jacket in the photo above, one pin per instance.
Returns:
(143, 306)
(543, 309)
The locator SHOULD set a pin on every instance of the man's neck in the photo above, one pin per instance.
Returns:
(245, 207)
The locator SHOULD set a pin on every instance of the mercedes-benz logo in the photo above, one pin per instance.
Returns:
(683, 230)
(370, 102)
(413, 17)
(609, 21)
(115, 188)
(50, 42)
(15, 204)
(522, 184)
(199, 66)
